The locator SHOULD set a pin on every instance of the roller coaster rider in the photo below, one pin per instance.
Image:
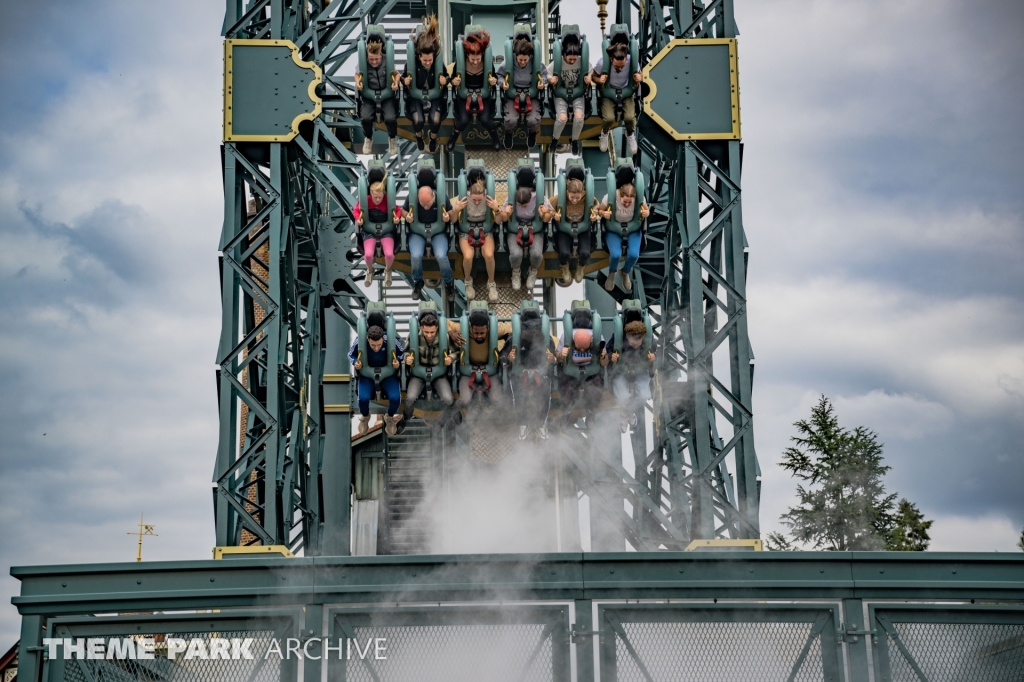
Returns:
(427, 359)
(427, 224)
(581, 352)
(376, 83)
(426, 89)
(530, 361)
(473, 215)
(378, 218)
(570, 80)
(574, 210)
(632, 356)
(523, 85)
(480, 341)
(522, 213)
(624, 217)
(474, 86)
(376, 356)
(618, 73)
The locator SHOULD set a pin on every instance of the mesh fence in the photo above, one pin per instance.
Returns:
(436, 653)
(161, 669)
(718, 652)
(958, 651)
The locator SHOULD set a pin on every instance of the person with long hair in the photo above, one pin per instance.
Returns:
(476, 205)
(426, 101)
(622, 210)
(474, 46)
(576, 212)
(522, 76)
(572, 81)
(377, 80)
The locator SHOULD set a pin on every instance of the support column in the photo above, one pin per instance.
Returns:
(337, 464)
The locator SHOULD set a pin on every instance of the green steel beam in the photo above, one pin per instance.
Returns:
(107, 588)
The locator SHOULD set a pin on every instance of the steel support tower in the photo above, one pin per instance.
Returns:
(289, 272)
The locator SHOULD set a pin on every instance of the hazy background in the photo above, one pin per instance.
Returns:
(883, 205)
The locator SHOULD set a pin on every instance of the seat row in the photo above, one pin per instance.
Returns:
(573, 221)
(496, 362)
(509, 91)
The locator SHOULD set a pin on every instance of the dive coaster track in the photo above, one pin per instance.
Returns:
(291, 298)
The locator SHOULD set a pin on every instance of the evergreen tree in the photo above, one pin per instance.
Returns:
(845, 506)
(777, 542)
(1020, 542)
(908, 531)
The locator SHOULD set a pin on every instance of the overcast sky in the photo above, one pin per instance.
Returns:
(882, 200)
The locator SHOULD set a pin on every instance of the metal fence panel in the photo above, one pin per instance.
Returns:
(723, 643)
(965, 644)
(499, 644)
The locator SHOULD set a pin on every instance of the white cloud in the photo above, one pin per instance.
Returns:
(974, 534)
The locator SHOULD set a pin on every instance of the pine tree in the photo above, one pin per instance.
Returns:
(1020, 542)
(908, 531)
(777, 542)
(845, 506)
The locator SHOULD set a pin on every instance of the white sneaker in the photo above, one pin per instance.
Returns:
(609, 283)
(492, 292)
(393, 146)
(578, 275)
(364, 424)
(470, 291)
(517, 279)
(524, 431)
(542, 432)
(387, 277)
(632, 143)
(563, 148)
(369, 276)
(531, 279)
(566, 275)
(368, 145)
(602, 142)
(627, 283)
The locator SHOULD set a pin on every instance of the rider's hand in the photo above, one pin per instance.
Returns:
(637, 77)
(564, 353)
(493, 204)
(358, 366)
(359, 81)
(550, 356)
(447, 360)
(456, 81)
(604, 358)
(408, 81)
(394, 363)
(615, 356)
(650, 356)
(408, 360)
(644, 211)
(360, 221)
(512, 355)
(553, 80)
(492, 80)
(587, 79)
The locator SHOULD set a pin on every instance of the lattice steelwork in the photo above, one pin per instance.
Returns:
(282, 475)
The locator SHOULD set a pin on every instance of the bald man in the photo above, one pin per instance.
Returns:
(426, 212)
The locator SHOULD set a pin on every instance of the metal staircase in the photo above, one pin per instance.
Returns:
(410, 478)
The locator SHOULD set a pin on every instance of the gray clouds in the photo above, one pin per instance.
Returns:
(882, 202)
(883, 207)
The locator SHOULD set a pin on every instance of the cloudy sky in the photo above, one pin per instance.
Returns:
(883, 203)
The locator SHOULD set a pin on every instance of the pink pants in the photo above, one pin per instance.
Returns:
(387, 244)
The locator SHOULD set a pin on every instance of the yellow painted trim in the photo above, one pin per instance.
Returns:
(219, 552)
(337, 378)
(734, 82)
(757, 545)
(337, 409)
(311, 91)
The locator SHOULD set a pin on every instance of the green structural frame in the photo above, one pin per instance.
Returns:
(831, 615)
(284, 466)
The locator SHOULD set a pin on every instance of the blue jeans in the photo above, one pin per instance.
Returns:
(391, 387)
(614, 244)
(418, 246)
